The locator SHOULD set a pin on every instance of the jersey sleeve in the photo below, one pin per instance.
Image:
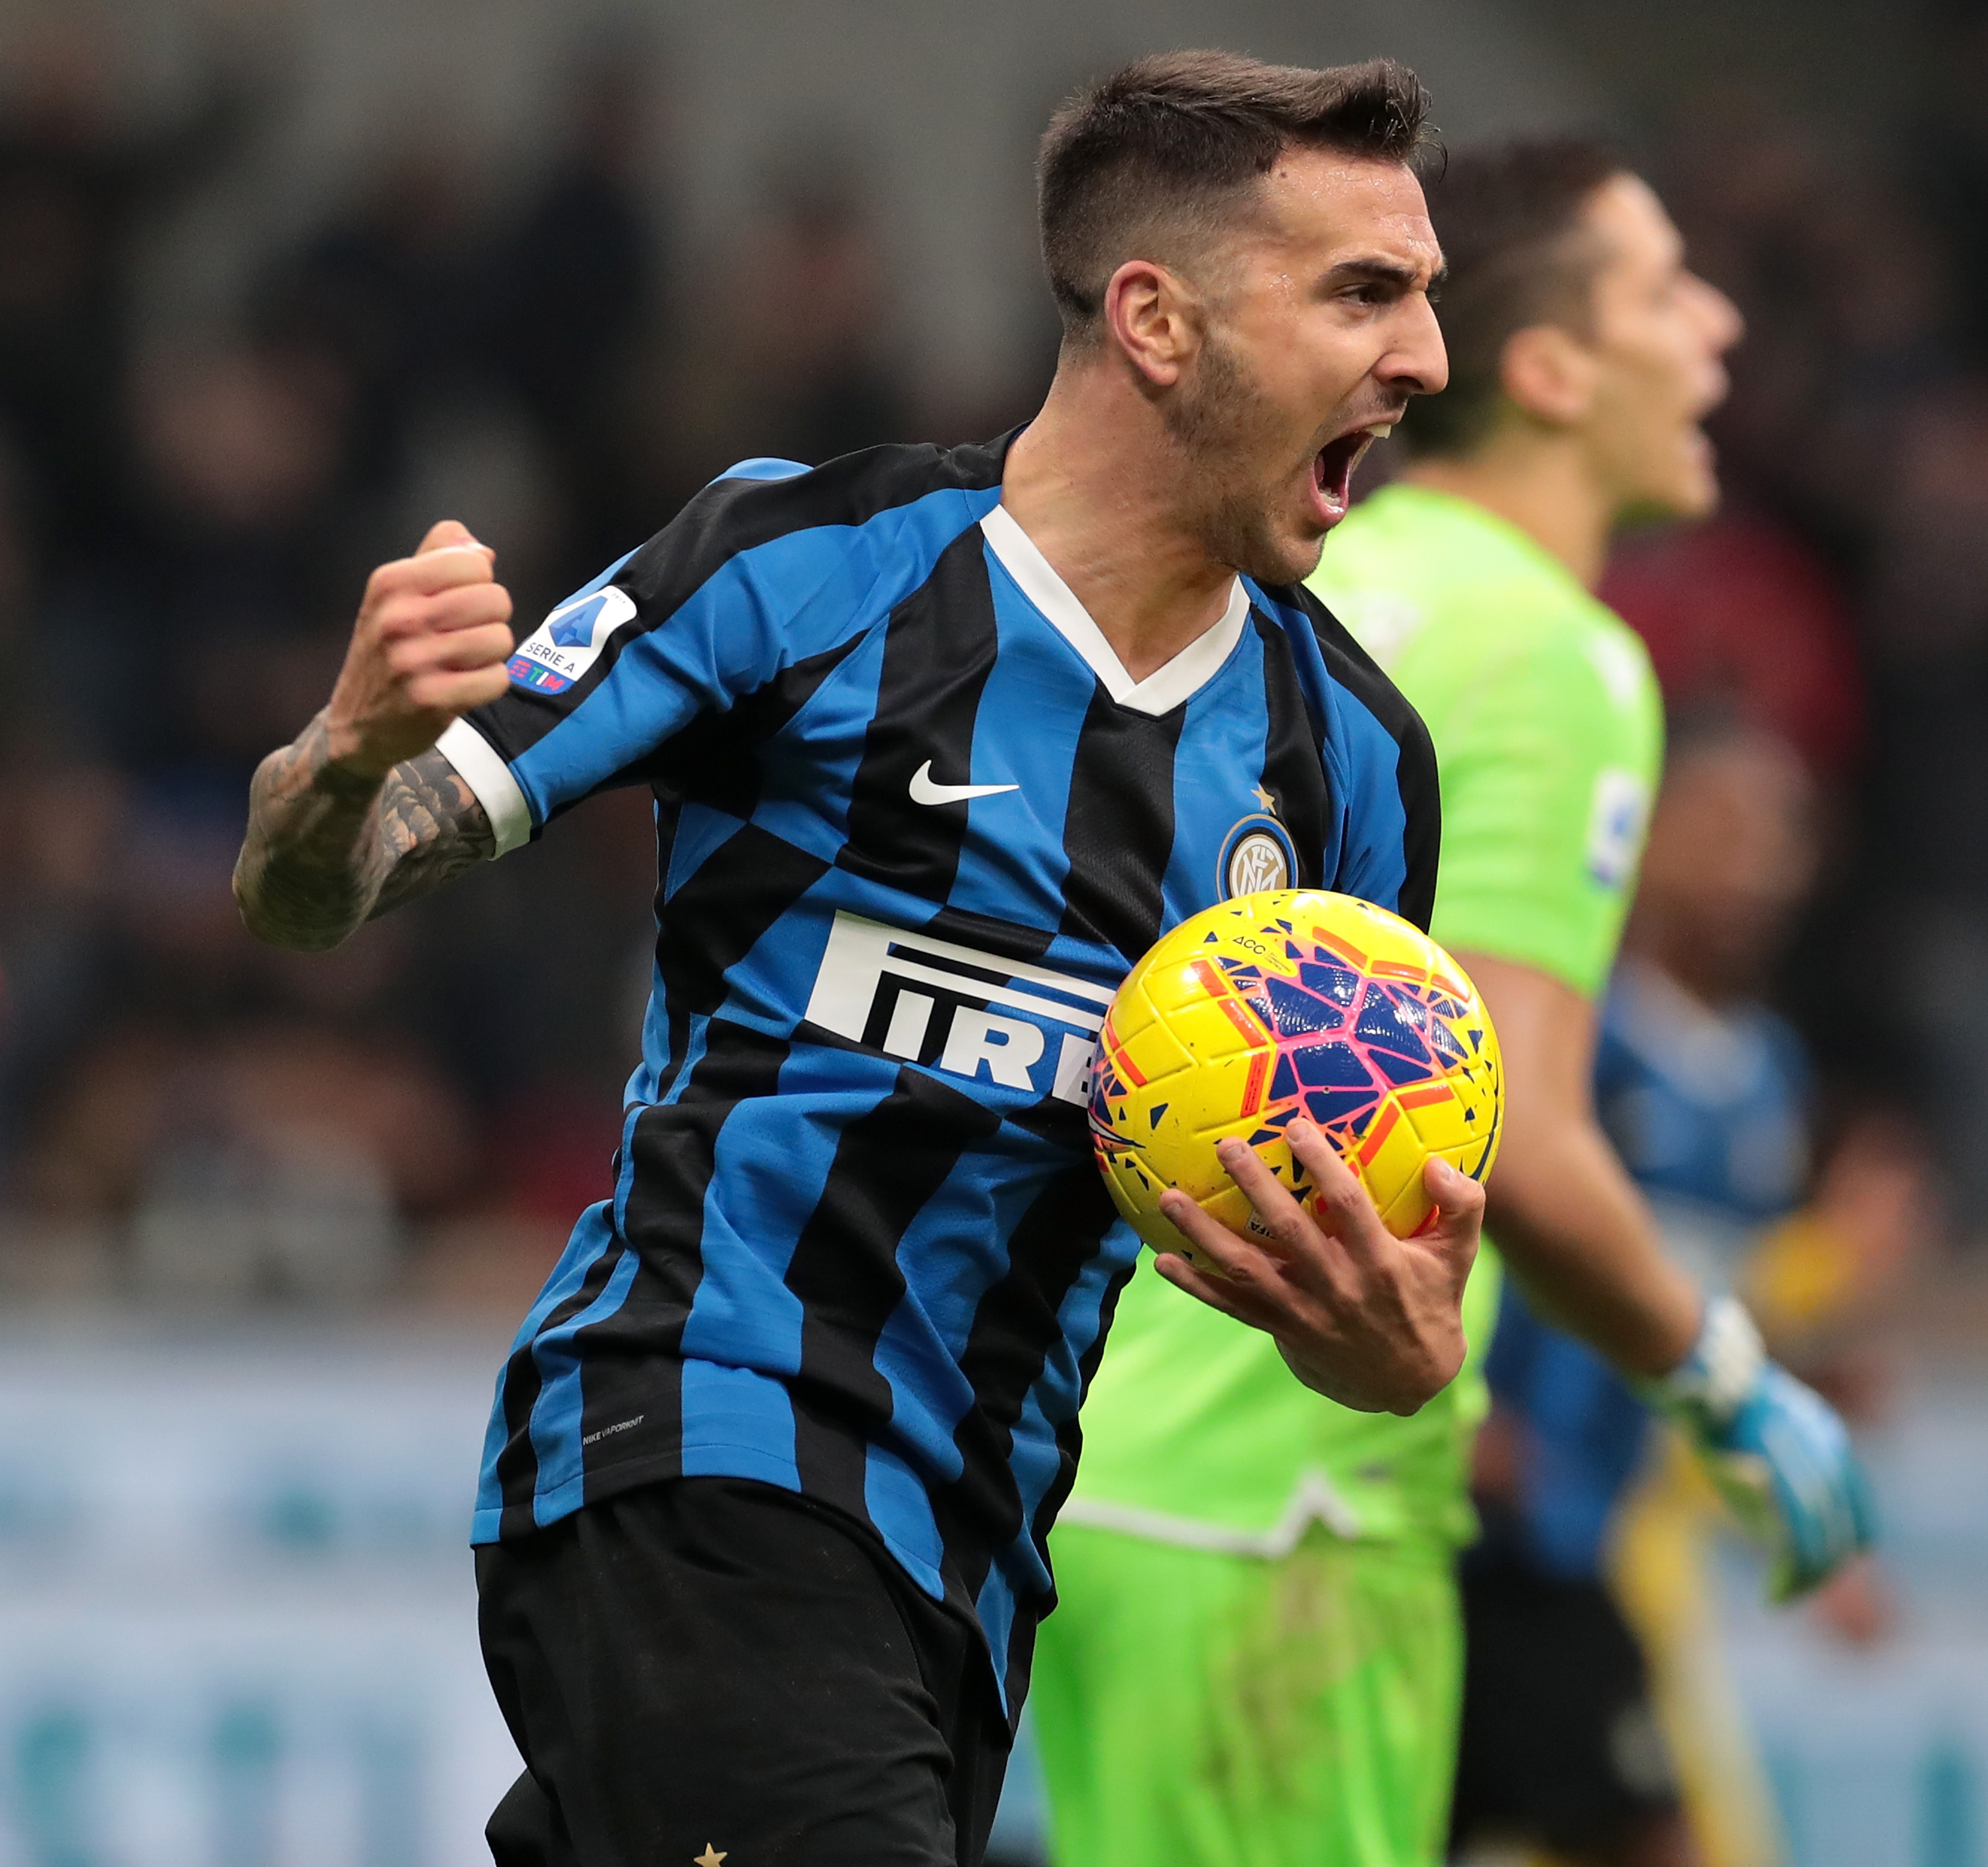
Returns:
(1547, 772)
(752, 576)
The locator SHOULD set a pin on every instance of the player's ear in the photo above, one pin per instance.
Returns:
(1550, 374)
(1148, 314)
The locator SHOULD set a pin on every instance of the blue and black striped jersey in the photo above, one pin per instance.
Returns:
(915, 822)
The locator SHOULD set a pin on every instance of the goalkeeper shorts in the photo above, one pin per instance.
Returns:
(1198, 1710)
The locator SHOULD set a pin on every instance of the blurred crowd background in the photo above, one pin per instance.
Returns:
(237, 369)
(280, 284)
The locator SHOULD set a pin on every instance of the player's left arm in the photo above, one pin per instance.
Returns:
(1569, 1221)
(1573, 1229)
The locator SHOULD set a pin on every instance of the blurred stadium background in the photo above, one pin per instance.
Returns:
(280, 283)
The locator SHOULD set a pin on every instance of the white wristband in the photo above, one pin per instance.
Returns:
(478, 765)
(1712, 1382)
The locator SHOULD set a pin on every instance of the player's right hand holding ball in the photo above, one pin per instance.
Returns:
(430, 642)
(1775, 1448)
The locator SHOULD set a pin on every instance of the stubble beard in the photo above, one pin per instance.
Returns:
(1222, 423)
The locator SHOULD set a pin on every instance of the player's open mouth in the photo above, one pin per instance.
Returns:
(1332, 469)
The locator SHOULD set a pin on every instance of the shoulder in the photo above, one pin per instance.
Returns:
(1562, 672)
(1617, 654)
(1456, 602)
(1345, 664)
(1558, 658)
(1374, 744)
(858, 503)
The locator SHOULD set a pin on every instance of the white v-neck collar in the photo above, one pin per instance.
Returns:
(1162, 690)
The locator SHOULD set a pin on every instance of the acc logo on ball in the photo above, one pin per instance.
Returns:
(1256, 856)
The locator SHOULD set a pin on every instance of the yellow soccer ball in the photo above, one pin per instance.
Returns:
(1288, 1002)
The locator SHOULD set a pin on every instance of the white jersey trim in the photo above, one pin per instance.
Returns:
(478, 765)
(1162, 690)
(1315, 1501)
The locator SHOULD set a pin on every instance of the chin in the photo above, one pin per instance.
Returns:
(1285, 561)
(1695, 495)
(1673, 477)
(1691, 496)
(1263, 549)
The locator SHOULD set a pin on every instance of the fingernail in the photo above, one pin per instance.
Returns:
(1298, 1124)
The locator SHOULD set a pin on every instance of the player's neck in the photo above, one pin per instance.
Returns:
(1542, 483)
(1087, 482)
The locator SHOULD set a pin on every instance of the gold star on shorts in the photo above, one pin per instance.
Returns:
(710, 1857)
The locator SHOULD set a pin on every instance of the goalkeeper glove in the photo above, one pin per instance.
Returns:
(1774, 1449)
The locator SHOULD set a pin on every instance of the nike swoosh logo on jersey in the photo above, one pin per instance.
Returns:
(923, 791)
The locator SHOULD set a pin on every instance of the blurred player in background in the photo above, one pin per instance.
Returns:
(1701, 1091)
(1704, 1092)
(942, 741)
(1258, 1656)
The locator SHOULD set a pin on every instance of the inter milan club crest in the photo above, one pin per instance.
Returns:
(1256, 855)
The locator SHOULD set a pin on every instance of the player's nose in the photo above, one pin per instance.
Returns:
(1418, 363)
(1723, 321)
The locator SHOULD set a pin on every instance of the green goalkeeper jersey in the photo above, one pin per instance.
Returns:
(1548, 732)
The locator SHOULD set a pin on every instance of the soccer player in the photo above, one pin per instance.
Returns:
(942, 740)
(1701, 1090)
(1257, 1655)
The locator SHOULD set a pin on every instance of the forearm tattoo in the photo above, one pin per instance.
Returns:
(327, 849)
(431, 828)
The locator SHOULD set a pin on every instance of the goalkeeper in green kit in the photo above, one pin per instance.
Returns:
(1258, 1650)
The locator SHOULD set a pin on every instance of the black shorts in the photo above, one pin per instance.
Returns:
(711, 1667)
(1559, 1746)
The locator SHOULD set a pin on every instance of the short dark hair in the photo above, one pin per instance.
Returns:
(1158, 150)
(1509, 221)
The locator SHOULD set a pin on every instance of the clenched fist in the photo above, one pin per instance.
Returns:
(430, 642)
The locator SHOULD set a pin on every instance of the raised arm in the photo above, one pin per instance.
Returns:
(361, 812)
